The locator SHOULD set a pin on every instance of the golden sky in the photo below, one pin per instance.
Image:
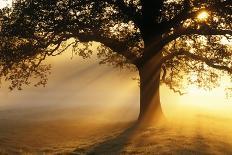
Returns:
(75, 82)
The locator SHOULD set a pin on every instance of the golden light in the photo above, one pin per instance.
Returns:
(203, 16)
(5, 3)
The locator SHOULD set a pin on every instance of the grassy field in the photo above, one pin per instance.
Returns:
(47, 130)
(20, 134)
(204, 135)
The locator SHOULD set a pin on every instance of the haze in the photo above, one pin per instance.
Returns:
(77, 82)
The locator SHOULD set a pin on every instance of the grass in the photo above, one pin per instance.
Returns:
(199, 135)
(203, 136)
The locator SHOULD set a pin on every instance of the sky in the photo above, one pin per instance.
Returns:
(4, 3)
(81, 82)
(77, 82)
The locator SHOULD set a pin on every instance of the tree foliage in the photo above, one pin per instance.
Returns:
(129, 32)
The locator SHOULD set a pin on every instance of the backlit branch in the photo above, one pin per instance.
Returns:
(187, 13)
(191, 31)
(129, 11)
(119, 47)
(183, 15)
(209, 62)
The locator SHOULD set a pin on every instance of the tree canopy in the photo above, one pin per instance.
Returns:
(193, 36)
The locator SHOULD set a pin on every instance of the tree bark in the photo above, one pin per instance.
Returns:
(150, 106)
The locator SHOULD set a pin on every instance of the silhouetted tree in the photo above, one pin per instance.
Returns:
(166, 40)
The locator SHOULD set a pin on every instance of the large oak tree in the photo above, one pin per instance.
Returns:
(165, 40)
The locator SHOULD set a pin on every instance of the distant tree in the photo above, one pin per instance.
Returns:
(166, 40)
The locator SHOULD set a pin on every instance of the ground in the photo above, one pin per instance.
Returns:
(208, 136)
(200, 134)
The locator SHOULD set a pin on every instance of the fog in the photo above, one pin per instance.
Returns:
(84, 102)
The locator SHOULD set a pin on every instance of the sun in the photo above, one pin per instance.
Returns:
(203, 15)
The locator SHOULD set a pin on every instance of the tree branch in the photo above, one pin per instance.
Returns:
(204, 31)
(186, 13)
(183, 15)
(157, 47)
(129, 11)
(117, 46)
(190, 31)
(207, 61)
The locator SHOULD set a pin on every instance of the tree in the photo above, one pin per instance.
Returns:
(165, 40)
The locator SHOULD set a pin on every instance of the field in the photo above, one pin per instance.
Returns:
(208, 136)
(37, 132)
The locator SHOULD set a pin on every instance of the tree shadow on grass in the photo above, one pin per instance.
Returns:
(112, 146)
(160, 139)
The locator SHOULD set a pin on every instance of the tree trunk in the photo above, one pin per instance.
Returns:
(150, 107)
